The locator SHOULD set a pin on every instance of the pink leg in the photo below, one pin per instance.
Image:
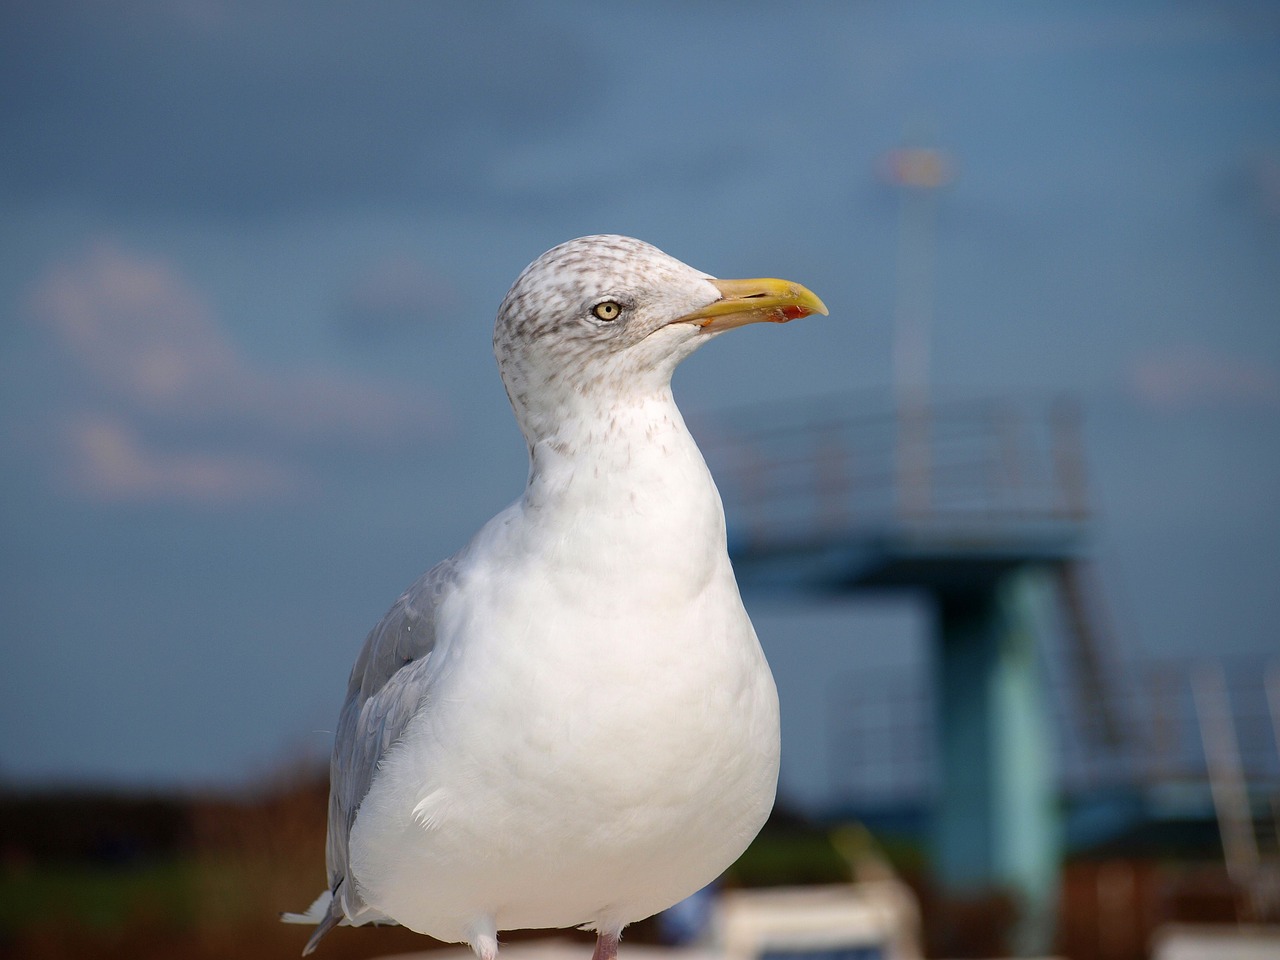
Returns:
(606, 946)
(483, 938)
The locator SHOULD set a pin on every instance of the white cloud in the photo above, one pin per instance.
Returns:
(139, 331)
(175, 409)
(109, 460)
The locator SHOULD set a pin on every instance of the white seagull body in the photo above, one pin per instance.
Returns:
(569, 722)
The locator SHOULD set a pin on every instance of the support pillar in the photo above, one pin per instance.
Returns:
(996, 826)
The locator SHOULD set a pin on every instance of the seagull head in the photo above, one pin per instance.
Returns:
(601, 318)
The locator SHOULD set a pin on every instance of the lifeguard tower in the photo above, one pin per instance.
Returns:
(980, 508)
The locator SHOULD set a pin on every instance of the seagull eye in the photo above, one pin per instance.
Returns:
(607, 310)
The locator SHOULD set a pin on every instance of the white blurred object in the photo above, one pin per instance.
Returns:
(1176, 942)
(872, 920)
(879, 919)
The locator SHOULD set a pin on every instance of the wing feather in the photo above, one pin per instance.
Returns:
(385, 690)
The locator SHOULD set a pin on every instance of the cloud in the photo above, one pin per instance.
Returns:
(106, 459)
(1188, 377)
(164, 403)
(139, 331)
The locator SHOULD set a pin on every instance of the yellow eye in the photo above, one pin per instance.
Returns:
(608, 310)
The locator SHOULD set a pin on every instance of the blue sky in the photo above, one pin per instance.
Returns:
(251, 254)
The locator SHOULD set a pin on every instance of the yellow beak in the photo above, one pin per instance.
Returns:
(754, 301)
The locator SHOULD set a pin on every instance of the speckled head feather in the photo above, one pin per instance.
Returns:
(580, 272)
(554, 352)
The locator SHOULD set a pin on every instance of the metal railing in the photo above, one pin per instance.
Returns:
(806, 472)
(881, 732)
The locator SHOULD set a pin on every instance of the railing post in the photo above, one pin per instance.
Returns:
(831, 479)
(913, 461)
(1226, 773)
(1068, 457)
(1008, 484)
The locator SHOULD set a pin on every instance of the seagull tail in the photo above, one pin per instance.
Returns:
(325, 912)
(314, 913)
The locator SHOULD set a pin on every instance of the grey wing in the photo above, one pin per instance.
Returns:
(386, 688)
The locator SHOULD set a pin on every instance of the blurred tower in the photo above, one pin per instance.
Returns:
(978, 508)
(995, 826)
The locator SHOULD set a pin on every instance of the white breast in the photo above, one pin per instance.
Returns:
(602, 734)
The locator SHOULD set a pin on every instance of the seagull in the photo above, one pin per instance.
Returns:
(569, 722)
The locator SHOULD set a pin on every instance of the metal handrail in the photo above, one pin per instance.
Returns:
(993, 462)
(1165, 749)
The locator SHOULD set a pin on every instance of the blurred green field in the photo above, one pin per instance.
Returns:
(98, 897)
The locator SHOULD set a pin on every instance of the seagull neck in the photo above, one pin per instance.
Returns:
(638, 446)
(623, 498)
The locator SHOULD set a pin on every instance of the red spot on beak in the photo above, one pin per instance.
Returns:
(791, 313)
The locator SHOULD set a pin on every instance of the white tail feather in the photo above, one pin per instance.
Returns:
(314, 913)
